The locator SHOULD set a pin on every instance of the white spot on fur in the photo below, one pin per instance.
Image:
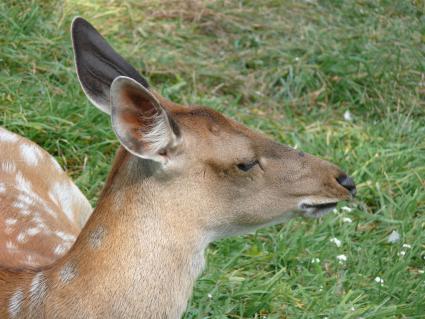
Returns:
(23, 202)
(15, 303)
(30, 260)
(61, 195)
(33, 231)
(39, 221)
(38, 291)
(96, 237)
(8, 167)
(2, 187)
(22, 183)
(25, 212)
(10, 246)
(6, 136)
(67, 273)
(10, 221)
(19, 205)
(31, 154)
(31, 198)
(37, 281)
(22, 237)
(64, 236)
(60, 250)
(28, 200)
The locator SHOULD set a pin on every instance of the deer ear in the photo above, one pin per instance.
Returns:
(141, 124)
(98, 64)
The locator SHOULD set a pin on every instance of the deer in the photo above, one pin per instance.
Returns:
(183, 176)
(42, 211)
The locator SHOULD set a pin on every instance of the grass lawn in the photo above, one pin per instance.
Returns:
(290, 69)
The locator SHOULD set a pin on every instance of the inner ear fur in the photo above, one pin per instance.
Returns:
(140, 122)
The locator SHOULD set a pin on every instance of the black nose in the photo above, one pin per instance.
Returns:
(348, 183)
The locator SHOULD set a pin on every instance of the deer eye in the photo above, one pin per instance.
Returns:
(247, 166)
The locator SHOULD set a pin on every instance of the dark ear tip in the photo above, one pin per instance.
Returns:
(77, 22)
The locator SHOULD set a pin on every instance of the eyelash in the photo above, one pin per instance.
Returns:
(247, 166)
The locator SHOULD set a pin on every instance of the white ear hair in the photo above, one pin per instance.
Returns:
(155, 136)
(140, 122)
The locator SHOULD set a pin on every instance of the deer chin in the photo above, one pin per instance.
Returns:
(316, 210)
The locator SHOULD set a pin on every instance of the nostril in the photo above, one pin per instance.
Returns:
(348, 183)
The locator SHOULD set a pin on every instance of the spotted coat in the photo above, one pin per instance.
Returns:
(41, 209)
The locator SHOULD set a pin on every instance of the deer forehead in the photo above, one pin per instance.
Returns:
(214, 134)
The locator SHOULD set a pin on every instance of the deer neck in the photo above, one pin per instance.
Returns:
(133, 256)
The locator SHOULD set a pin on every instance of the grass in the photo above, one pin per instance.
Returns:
(290, 69)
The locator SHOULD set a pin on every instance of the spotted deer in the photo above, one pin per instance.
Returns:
(183, 177)
(41, 210)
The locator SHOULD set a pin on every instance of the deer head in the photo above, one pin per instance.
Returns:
(231, 178)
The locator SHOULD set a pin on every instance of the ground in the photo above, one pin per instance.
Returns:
(344, 80)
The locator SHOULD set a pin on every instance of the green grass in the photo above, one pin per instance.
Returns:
(290, 69)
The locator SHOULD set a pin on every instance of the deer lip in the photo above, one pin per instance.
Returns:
(317, 210)
(318, 206)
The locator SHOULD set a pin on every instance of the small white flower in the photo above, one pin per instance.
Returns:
(209, 296)
(297, 59)
(347, 116)
(259, 93)
(402, 253)
(379, 280)
(353, 309)
(393, 237)
(336, 241)
(347, 209)
(407, 246)
(421, 271)
(347, 220)
(315, 261)
(341, 258)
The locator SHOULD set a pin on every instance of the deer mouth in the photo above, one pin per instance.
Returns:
(317, 210)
